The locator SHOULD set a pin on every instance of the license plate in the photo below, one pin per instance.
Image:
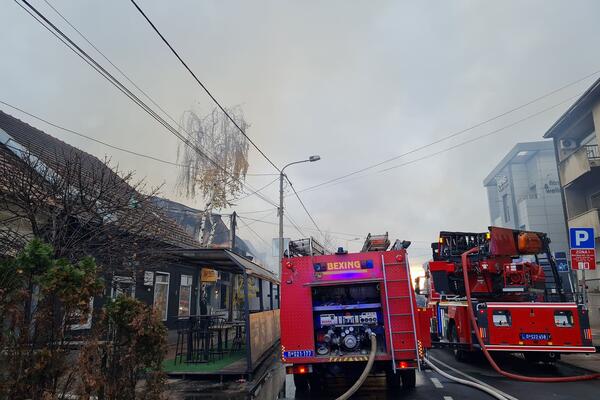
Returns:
(298, 353)
(535, 336)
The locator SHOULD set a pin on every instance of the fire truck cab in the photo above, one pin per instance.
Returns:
(331, 305)
(517, 309)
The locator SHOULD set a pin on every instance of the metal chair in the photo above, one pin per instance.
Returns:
(216, 332)
(183, 329)
(238, 339)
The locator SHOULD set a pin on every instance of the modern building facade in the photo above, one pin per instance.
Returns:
(524, 193)
(576, 149)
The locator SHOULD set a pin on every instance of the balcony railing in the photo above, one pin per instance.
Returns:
(592, 151)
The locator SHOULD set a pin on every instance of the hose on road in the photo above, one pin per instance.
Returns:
(464, 381)
(365, 372)
(465, 261)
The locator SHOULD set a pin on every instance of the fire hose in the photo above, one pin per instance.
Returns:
(365, 372)
(465, 260)
(465, 381)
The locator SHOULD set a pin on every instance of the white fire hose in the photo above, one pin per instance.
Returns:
(464, 381)
(366, 371)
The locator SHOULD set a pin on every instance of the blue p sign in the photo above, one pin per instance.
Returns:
(582, 238)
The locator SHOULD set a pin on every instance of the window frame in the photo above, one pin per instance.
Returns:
(190, 285)
(168, 284)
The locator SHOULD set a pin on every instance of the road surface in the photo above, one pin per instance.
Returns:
(432, 386)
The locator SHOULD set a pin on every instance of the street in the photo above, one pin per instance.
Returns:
(431, 385)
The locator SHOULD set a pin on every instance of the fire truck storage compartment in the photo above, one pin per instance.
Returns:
(343, 316)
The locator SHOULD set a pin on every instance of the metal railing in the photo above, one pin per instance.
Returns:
(592, 151)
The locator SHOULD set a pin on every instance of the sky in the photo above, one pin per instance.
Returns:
(354, 82)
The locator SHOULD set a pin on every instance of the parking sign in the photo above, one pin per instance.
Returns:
(583, 252)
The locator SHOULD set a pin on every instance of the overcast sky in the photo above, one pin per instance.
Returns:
(355, 82)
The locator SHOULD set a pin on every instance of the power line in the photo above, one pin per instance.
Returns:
(255, 212)
(201, 84)
(291, 220)
(112, 146)
(258, 190)
(255, 234)
(298, 227)
(115, 82)
(493, 132)
(305, 209)
(452, 135)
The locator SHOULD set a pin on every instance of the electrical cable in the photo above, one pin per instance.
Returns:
(458, 133)
(115, 82)
(109, 145)
(255, 234)
(493, 132)
(291, 221)
(304, 207)
(473, 321)
(201, 84)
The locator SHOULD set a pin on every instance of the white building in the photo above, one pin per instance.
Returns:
(524, 193)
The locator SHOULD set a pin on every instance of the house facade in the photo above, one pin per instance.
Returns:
(575, 139)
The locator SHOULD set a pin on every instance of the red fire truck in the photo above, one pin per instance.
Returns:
(340, 310)
(515, 291)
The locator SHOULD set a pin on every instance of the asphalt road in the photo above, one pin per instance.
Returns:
(432, 386)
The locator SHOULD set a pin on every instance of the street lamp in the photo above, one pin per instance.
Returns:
(281, 177)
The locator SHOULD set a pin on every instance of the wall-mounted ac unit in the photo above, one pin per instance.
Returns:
(568, 144)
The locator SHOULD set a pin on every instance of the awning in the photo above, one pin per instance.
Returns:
(225, 260)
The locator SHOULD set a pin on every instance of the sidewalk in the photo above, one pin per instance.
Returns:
(586, 361)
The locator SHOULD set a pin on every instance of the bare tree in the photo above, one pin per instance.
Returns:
(217, 172)
(80, 206)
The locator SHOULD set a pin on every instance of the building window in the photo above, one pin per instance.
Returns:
(505, 207)
(122, 286)
(185, 295)
(161, 294)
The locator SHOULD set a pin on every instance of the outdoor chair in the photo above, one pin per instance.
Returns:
(201, 338)
(238, 339)
(183, 329)
(216, 331)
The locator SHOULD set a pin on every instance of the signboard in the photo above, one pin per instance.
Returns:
(333, 267)
(561, 261)
(583, 252)
(148, 278)
(209, 275)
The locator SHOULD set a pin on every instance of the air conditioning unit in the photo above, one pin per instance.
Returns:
(568, 144)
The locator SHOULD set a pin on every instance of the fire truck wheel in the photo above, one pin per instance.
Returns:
(459, 355)
(409, 379)
(301, 383)
(315, 380)
(392, 379)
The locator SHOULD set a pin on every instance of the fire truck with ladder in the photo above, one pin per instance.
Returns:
(514, 289)
(346, 312)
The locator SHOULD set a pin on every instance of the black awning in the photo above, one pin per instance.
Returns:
(224, 260)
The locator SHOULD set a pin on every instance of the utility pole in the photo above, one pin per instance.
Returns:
(232, 226)
(232, 285)
(281, 178)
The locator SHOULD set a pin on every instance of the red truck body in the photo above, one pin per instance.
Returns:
(510, 297)
(329, 302)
